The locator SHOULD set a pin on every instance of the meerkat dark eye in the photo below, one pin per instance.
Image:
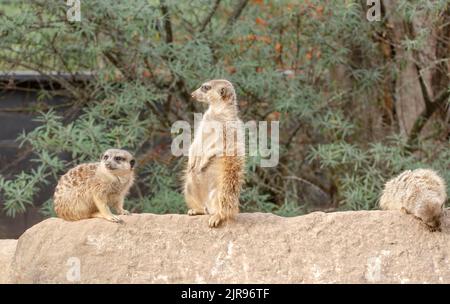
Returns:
(205, 88)
(132, 163)
(118, 158)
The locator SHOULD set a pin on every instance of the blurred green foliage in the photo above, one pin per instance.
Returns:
(317, 66)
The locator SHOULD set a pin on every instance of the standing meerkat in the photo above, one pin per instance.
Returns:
(88, 190)
(215, 170)
(421, 192)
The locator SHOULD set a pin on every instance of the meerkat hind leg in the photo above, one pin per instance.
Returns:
(217, 215)
(195, 206)
(214, 220)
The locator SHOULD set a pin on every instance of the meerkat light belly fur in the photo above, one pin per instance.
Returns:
(421, 192)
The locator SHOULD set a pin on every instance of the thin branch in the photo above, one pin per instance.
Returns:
(21, 156)
(209, 16)
(430, 107)
(293, 135)
(306, 182)
(167, 22)
(423, 87)
(138, 191)
(236, 13)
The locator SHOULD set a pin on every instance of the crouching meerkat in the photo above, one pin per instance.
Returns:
(89, 190)
(421, 192)
(215, 170)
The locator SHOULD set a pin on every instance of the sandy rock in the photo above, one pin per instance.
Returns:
(7, 249)
(341, 247)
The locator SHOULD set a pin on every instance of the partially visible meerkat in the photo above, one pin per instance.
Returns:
(215, 171)
(89, 190)
(421, 192)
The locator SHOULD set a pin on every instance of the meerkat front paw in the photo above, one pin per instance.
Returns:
(214, 220)
(193, 164)
(109, 217)
(202, 167)
(114, 219)
(204, 163)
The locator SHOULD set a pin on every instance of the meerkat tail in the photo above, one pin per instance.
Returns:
(230, 187)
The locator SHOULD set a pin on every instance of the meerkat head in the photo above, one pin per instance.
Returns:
(215, 91)
(117, 162)
(431, 214)
(433, 221)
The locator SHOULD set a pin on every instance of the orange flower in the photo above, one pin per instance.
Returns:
(261, 21)
(278, 47)
(251, 37)
(231, 69)
(265, 39)
(146, 73)
(273, 116)
(319, 10)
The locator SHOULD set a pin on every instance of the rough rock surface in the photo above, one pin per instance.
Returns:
(342, 247)
(7, 249)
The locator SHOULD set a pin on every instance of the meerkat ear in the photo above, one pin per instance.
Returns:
(132, 163)
(226, 93)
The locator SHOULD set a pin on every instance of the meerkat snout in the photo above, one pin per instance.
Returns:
(201, 94)
(431, 213)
